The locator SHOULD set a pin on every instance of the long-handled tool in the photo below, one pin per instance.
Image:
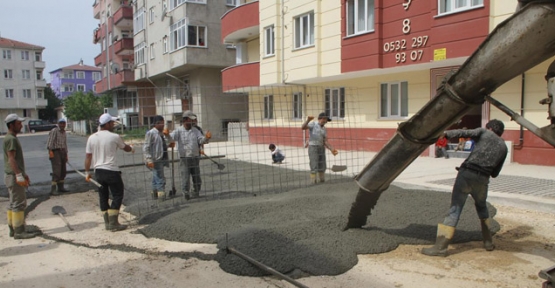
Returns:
(83, 174)
(173, 191)
(60, 211)
(338, 168)
(220, 165)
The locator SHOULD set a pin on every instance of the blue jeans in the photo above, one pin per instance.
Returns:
(468, 182)
(158, 178)
(278, 157)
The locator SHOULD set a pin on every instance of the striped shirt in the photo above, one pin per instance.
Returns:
(56, 139)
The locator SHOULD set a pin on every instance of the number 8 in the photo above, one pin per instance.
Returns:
(406, 26)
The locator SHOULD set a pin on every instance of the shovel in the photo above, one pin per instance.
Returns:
(83, 174)
(61, 212)
(220, 166)
(338, 168)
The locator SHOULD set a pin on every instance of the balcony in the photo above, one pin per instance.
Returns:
(41, 103)
(241, 75)
(98, 34)
(39, 65)
(99, 60)
(122, 78)
(124, 46)
(240, 23)
(40, 83)
(124, 16)
(97, 8)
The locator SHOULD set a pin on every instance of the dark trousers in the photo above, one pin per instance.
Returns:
(59, 165)
(111, 183)
(468, 183)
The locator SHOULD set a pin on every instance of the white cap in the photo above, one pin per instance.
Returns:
(13, 117)
(189, 114)
(105, 118)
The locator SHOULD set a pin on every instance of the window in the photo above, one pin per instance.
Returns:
(394, 100)
(39, 94)
(140, 53)
(304, 30)
(360, 16)
(125, 65)
(151, 15)
(68, 88)
(80, 74)
(7, 54)
(96, 76)
(232, 2)
(177, 35)
(110, 38)
(38, 56)
(125, 34)
(165, 44)
(68, 75)
(151, 52)
(335, 102)
(175, 3)
(8, 74)
(24, 55)
(269, 107)
(9, 93)
(453, 6)
(94, 88)
(139, 20)
(297, 105)
(26, 74)
(38, 74)
(196, 36)
(27, 93)
(81, 87)
(269, 49)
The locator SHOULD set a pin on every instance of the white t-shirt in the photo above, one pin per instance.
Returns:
(103, 146)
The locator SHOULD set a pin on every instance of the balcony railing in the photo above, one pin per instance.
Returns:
(39, 65)
(116, 80)
(241, 75)
(124, 13)
(124, 46)
(99, 59)
(240, 21)
(40, 83)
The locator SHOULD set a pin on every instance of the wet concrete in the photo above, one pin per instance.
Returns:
(299, 232)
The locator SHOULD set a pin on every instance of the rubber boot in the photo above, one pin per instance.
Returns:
(18, 222)
(444, 236)
(54, 189)
(486, 235)
(313, 178)
(154, 194)
(113, 223)
(10, 225)
(360, 209)
(61, 187)
(106, 221)
(322, 176)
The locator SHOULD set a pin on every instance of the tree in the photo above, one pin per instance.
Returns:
(83, 106)
(49, 113)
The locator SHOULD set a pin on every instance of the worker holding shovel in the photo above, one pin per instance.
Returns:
(155, 152)
(317, 144)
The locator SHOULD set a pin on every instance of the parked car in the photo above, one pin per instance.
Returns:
(37, 125)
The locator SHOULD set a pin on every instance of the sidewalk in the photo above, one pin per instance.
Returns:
(525, 186)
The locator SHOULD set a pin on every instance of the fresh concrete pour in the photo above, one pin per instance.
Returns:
(299, 232)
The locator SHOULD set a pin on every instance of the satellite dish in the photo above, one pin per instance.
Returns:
(115, 68)
(164, 13)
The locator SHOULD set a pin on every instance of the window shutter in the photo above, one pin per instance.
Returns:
(327, 100)
(342, 102)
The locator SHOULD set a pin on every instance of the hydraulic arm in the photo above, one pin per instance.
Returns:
(521, 42)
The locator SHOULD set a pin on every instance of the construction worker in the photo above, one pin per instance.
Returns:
(485, 161)
(155, 152)
(317, 142)
(57, 153)
(15, 178)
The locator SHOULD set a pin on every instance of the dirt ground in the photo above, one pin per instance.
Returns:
(92, 257)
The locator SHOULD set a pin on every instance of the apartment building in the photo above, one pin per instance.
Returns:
(21, 83)
(70, 79)
(374, 63)
(177, 48)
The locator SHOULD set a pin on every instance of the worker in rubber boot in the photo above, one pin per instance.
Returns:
(101, 155)
(57, 153)
(155, 153)
(317, 144)
(485, 161)
(15, 178)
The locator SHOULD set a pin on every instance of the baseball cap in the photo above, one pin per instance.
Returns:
(105, 118)
(13, 117)
(324, 115)
(189, 114)
(62, 120)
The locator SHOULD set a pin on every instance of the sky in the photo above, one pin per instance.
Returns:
(63, 27)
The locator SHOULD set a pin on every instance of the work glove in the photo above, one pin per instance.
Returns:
(166, 132)
(202, 152)
(208, 135)
(88, 177)
(21, 181)
(150, 164)
(309, 118)
(171, 145)
(334, 152)
(50, 154)
(132, 148)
